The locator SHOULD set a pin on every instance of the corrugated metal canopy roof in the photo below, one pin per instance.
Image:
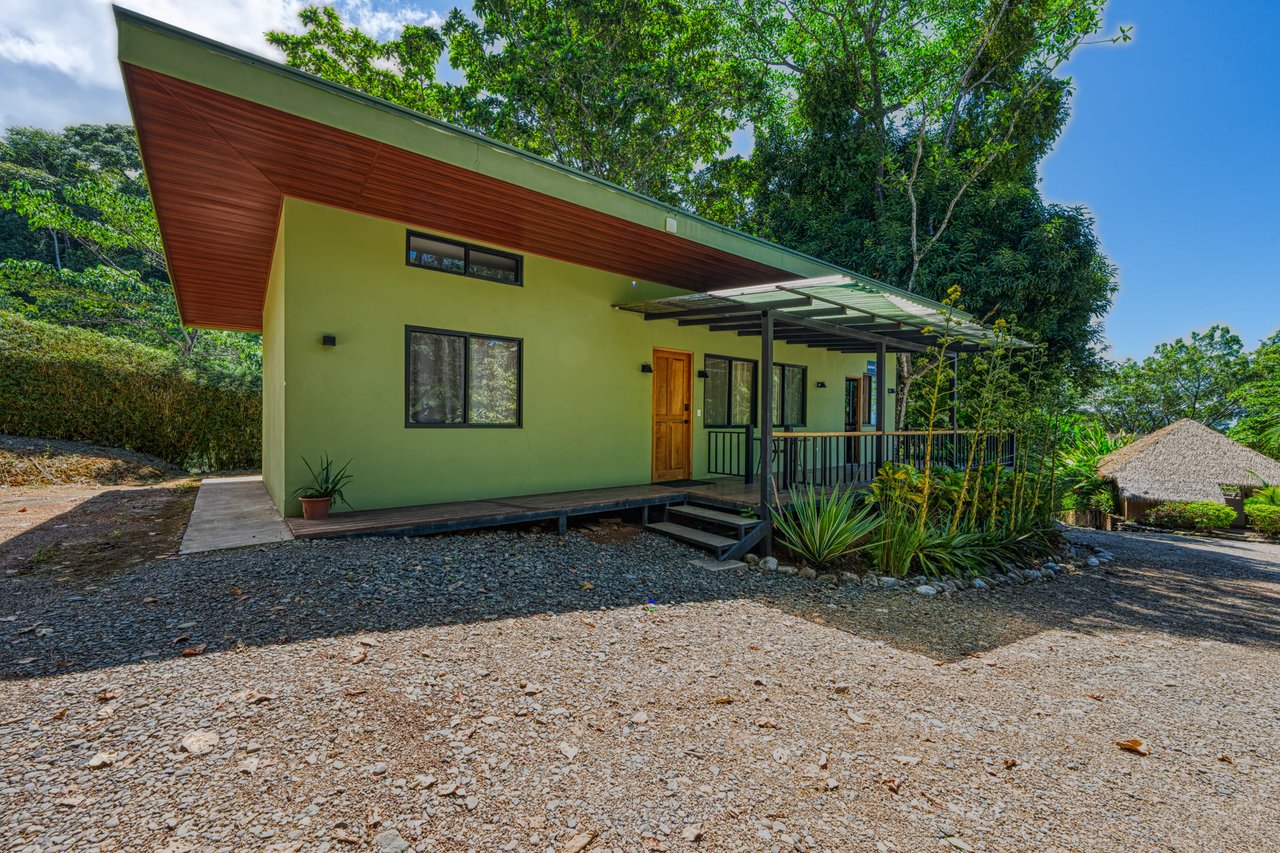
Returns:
(846, 313)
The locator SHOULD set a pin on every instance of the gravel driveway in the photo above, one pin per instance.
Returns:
(514, 691)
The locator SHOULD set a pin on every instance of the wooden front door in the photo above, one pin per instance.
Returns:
(672, 396)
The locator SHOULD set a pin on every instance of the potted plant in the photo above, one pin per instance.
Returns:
(326, 484)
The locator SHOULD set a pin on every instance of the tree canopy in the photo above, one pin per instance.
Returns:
(1258, 399)
(82, 247)
(639, 92)
(1197, 378)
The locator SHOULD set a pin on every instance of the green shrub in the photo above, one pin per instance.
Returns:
(1201, 515)
(821, 528)
(1103, 500)
(1264, 518)
(899, 544)
(77, 385)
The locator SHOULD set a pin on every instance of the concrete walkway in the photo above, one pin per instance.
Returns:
(232, 512)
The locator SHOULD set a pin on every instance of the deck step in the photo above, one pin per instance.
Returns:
(693, 536)
(715, 516)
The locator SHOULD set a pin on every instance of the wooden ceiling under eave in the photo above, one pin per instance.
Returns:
(219, 167)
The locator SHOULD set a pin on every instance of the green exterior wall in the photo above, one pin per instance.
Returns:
(587, 405)
(273, 376)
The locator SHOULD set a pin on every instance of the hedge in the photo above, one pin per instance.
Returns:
(1264, 518)
(1201, 515)
(77, 385)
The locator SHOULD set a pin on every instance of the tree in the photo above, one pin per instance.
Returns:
(46, 159)
(402, 70)
(903, 113)
(1197, 379)
(639, 92)
(1259, 400)
(104, 267)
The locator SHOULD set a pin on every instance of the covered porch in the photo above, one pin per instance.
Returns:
(842, 313)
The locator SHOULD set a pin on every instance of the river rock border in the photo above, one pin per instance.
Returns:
(1066, 563)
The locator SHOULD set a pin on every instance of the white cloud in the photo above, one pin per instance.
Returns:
(383, 23)
(41, 41)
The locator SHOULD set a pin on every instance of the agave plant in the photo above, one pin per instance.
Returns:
(821, 528)
(325, 481)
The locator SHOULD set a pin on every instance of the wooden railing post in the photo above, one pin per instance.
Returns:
(748, 456)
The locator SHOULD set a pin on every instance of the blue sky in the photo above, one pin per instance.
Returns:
(1173, 145)
(1173, 141)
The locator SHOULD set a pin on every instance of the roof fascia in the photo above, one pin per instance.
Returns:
(152, 44)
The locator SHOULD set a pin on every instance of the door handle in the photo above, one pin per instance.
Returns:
(686, 420)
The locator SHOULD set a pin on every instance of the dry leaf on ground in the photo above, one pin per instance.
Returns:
(1134, 745)
(578, 843)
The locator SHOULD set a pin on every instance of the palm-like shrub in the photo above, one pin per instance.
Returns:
(1267, 495)
(1084, 445)
(821, 528)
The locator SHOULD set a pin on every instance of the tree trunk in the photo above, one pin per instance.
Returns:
(905, 378)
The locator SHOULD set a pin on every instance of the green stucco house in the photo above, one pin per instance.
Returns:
(467, 321)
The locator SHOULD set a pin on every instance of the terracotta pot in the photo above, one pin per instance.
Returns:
(316, 509)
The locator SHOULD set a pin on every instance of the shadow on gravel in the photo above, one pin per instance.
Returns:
(72, 621)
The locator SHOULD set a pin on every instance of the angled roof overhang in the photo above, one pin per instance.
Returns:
(842, 312)
(226, 135)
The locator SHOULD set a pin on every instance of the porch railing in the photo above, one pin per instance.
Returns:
(733, 452)
(826, 459)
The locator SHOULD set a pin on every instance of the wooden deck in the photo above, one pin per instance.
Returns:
(728, 492)
(468, 515)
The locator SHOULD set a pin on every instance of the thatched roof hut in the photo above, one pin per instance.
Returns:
(1185, 461)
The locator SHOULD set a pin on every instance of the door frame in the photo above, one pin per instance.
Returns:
(858, 382)
(688, 426)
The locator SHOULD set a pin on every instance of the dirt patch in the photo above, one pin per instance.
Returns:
(611, 530)
(27, 462)
(78, 530)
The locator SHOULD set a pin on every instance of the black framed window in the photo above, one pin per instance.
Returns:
(439, 253)
(869, 398)
(460, 379)
(790, 394)
(729, 391)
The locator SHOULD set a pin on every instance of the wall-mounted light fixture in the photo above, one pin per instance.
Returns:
(646, 368)
(702, 374)
(821, 384)
(328, 340)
